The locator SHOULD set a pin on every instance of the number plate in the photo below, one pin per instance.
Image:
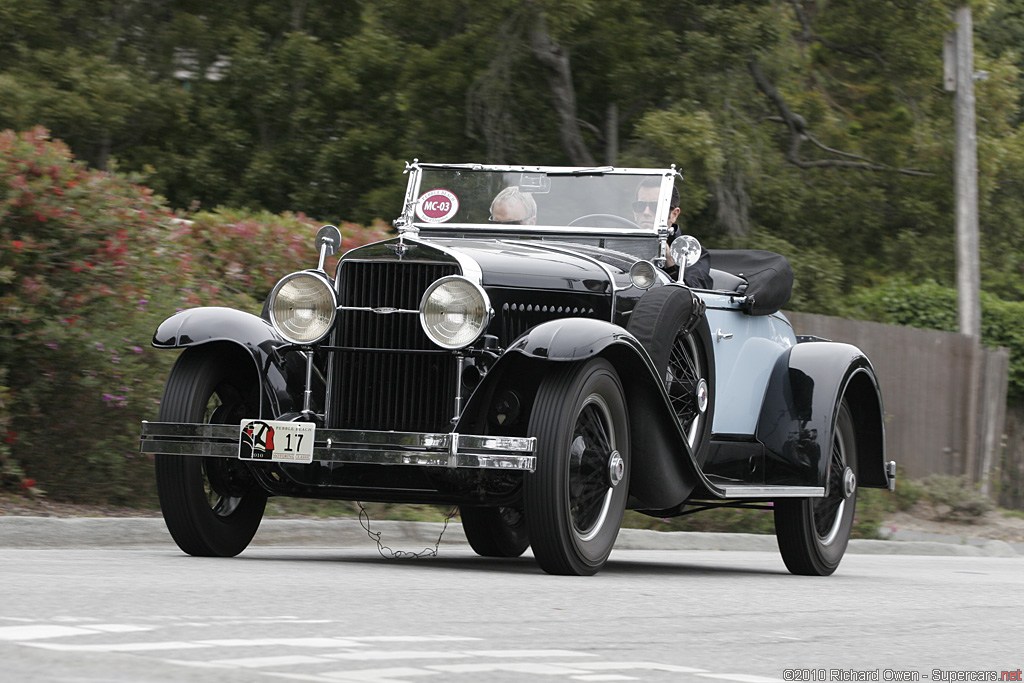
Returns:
(276, 441)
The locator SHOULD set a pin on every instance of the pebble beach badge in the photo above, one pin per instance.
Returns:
(437, 206)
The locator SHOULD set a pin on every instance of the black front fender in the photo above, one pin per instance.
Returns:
(663, 471)
(798, 415)
(252, 336)
(569, 339)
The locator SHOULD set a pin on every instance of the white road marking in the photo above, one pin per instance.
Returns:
(527, 653)
(121, 647)
(539, 668)
(392, 675)
(398, 654)
(646, 666)
(261, 662)
(582, 666)
(40, 631)
(284, 642)
(412, 639)
(120, 628)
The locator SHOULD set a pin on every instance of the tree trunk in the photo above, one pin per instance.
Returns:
(555, 59)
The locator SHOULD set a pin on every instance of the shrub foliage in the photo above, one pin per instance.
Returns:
(91, 262)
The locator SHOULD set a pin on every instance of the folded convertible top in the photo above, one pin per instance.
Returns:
(769, 276)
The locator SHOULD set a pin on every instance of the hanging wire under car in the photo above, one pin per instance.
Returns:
(388, 552)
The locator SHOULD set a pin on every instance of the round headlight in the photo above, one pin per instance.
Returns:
(302, 307)
(643, 274)
(454, 312)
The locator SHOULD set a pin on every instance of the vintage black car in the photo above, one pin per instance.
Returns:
(520, 350)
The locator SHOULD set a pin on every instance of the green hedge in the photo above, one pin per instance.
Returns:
(931, 306)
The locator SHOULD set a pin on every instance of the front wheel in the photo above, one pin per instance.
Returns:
(576, 498)
(813, 532)
(495, 531)
(212, 506)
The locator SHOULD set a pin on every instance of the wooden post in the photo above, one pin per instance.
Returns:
(965, 160)
(965, 173)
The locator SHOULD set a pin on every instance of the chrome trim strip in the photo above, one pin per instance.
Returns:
(378, 311)
(772, 491)
(353, 446)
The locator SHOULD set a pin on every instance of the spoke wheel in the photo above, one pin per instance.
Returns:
(813, 533)
(212, 506)
(686, 380)
(576, 497)
(682, 358)
(495, 531)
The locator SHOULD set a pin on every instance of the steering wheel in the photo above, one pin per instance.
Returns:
(617, 220)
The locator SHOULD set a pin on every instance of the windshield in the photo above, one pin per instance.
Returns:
(538, 200)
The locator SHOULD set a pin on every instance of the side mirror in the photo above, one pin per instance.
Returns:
(685, 251)
(328, 241)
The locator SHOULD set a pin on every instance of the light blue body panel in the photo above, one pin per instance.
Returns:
(743, 362)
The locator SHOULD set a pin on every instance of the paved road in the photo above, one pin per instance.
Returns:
(146, 612)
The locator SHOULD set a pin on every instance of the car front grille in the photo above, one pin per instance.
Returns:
(385, 373)
(517, 317)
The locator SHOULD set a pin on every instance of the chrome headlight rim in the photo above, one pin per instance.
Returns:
(330, 310)
(643, 274)
(481, 325)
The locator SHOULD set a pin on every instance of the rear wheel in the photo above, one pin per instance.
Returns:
(813, 532)
(576, 497)
(495, 531)
(212, 506)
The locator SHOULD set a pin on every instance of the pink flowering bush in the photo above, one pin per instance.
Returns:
(246, 253)
(90, 264)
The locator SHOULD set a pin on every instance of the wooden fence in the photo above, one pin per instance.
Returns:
(944, 397)
(1011, 471)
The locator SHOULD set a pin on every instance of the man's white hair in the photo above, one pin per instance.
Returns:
(512, 193)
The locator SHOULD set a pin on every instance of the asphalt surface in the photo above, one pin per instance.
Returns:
(78, 532)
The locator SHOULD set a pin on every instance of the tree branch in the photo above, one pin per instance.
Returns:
(555, 59)
(809, 36)
(798, 132)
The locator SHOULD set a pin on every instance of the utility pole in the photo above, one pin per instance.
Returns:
(959, 61)
(959, 72)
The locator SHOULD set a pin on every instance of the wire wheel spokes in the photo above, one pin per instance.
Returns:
(226, 480)
(828, 511)
(683, 381)
(592, 444)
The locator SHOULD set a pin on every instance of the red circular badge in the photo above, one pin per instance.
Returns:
(437, 206)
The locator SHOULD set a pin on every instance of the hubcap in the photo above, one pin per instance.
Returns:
(849, 483)
(702, 395)
(616, 468)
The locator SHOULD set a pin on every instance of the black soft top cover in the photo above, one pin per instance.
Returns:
(769, 276)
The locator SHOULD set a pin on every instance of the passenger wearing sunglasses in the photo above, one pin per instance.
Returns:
(699, 274)
(511, 206)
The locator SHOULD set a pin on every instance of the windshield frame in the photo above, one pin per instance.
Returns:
(409, 223)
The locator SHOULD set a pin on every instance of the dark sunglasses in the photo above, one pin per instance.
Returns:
(518, 222)
(638, 207)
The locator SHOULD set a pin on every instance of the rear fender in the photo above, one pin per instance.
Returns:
(798, 415)
(662, 472)
(281, 382)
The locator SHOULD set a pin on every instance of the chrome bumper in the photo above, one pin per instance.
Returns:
(353, 446)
